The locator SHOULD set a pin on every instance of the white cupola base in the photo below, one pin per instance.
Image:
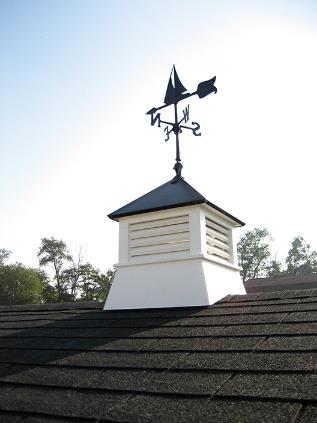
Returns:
(193, 282)
(178, 256)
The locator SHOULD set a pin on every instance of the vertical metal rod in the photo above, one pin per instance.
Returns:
(176, 131)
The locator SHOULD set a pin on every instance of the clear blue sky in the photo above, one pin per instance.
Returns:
(76, 78)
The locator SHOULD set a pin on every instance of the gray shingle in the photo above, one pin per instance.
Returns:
(76, 333)
(48, 419)
(143, 408)
(80, 344)
(49, 376)
(258, 361)
(227, 320)
(194, 383)
(292, 386)
(308, 414)
(162, 360)
(298, 293)
(309, 299)
(246, 303)
(273, 329)
(204, 344)
(301, 316)
(10, 417)
(280, 295)
(289, 343)
(224, 311)
(55, 306)
(94, 323)
(242, 298)
(61, 402)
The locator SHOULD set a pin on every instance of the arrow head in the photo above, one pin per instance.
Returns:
(150, 112)
(207, 87)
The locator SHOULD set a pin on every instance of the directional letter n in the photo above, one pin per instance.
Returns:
(155, 118)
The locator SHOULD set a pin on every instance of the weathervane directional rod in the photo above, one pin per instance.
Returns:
(176, 132)
(174, 94)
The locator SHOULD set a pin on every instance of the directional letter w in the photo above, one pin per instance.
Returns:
(186, 114)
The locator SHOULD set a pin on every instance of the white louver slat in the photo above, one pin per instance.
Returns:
(218, 240)
(157, 237)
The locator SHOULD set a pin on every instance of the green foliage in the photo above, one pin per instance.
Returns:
(74, 279)
(91, 284)
(274, 269)
(49, 294)
(103, 284)
(301, 258)
(4, 255)
(255, 258)
(20, 285)
(254, 253)
(54, 252)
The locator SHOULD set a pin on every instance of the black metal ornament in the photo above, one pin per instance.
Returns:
(175, 93)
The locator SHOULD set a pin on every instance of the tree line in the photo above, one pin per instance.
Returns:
(61, 277)
(256, 260)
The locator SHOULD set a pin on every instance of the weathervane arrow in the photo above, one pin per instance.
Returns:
(175, 93)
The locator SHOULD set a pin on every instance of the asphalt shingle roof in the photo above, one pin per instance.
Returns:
(249, 358)
(281, 283)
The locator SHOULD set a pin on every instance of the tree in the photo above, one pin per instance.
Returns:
(105, 282)
(274, 269)
(20, 285)
(54, 252)
(71, 276)
(95, 285)
(84, 282)
(49, 294)
(254, 253)
(75, 280)
(4, 255)
(89, 282)
(301, 258)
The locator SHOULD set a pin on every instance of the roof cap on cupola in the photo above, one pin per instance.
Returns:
(176, 248)
(168, 196)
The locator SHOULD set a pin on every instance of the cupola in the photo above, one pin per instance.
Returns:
(176, 248)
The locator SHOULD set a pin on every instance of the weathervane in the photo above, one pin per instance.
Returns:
(174, 94)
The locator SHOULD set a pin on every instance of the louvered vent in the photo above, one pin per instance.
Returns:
(218, 240)
(159, 237)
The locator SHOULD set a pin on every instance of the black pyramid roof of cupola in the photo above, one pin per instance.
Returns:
(167, 196)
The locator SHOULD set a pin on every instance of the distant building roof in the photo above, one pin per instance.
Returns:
(246, 359)
(281, 283)
(166, 196)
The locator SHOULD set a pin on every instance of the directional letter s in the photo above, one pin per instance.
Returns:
(196, 128)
